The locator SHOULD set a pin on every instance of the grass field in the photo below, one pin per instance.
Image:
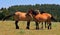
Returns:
(8, 28)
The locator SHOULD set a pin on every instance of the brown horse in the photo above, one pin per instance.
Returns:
(41, 13)
(41, 17)
(20, 16)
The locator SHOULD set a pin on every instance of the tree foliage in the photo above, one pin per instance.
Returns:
(50, 8)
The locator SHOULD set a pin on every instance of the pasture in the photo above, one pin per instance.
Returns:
(8, 28)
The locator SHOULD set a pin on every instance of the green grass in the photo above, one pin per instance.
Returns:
(8, 28)
(22, 31)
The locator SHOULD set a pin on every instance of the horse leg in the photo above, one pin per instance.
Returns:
(49, 25)
(42, 26)
(28, 24)
(37, 26)
(16, 24)
(45, 25)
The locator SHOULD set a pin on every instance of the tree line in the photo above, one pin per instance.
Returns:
(53, 9)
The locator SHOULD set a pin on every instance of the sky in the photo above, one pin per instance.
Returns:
(8, 3)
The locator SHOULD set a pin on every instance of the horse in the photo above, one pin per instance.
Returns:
(41, 17)
(20, 16)
(41, 12)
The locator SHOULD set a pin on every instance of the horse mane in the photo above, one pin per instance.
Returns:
(34, 12)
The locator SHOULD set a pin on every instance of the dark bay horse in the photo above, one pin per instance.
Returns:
(44, 17)
(20, 16)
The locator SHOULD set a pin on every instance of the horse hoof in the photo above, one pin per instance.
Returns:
(50, 28)
(37, 28)
(17, 28)
(45, 27)
(41, 27)
(27, 27)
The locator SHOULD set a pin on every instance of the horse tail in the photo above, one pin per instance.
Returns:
(8, 16)
(52, 18)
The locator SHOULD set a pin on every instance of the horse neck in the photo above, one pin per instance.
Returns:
(35, 15)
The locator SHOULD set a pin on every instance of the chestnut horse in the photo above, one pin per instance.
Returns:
(41, 13)
(20, 16)
(41, 17)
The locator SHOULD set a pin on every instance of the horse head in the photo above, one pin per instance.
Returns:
(33, 12)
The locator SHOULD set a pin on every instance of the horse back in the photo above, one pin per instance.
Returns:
(21, 16)
(47, 15)
(43, 17)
